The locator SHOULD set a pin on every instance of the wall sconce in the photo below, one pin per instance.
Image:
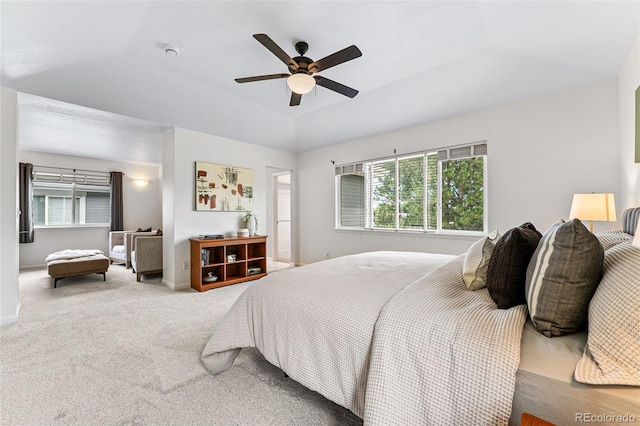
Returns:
(140, 182)
(600, 207)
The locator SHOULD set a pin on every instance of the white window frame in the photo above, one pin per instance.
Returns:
(366, 166)
(71, 178)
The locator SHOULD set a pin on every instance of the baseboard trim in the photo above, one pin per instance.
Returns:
(26, 268)
(176, 287)
(11, 319)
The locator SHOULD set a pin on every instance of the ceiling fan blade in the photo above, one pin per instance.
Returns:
(261, 77)
(276, 50)
(344, 55)
(335, 86)
(295, 99)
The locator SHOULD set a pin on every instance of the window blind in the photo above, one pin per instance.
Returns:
(350, 169)
(466, 151)
(66, 177)
(352, 201)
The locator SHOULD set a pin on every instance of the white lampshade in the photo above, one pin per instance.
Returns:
(301, 83)
(600, 207)
(636, 238)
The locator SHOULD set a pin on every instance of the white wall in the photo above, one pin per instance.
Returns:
(9, 299)
(541, 152)
(628, 82)
(142, 206)
(181, 149)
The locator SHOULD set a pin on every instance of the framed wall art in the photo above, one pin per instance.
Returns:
(221, 188)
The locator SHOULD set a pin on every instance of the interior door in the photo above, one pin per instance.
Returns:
(282, 217)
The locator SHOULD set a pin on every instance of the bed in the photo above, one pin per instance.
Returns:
(545, 383)
(398, 338)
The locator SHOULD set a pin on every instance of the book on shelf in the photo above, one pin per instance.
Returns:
(205, 256)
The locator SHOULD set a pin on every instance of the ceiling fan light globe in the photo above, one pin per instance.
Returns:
(301, 83)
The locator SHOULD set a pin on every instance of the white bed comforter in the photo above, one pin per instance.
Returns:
(395, 337)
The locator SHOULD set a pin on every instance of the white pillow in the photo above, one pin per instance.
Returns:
(612, 353)
(476, 261)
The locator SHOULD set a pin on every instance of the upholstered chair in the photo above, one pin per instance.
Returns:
(128, 242)
(117, 249)
(120, 246)
(146, 254)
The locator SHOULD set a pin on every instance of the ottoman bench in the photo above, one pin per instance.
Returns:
(69, 263)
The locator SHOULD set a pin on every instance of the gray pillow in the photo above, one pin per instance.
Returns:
(476, 261)
(609, 239)
(562, 276)
(630, 219)
(507, 270)
(612, 353)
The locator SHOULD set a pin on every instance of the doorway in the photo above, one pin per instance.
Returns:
(282, 217)
(280, 228)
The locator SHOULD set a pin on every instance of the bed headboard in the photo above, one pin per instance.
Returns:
(630, 220)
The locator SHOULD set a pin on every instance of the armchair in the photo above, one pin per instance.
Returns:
(117, 250)
(120, 246)
(146, 254)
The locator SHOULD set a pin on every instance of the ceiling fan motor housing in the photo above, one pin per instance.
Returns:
(303, 64)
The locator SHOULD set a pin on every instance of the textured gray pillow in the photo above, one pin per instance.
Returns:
(609, 239)
(612, 353)
(630, 219)
(562, 276)
(476, 261)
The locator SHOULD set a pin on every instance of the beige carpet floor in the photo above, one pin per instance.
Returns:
(120, 352)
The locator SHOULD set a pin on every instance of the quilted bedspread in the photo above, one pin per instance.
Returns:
(393, 336)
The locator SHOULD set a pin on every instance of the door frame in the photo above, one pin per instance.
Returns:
(272, 205)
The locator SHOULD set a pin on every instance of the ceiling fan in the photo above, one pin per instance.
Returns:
(301, 68)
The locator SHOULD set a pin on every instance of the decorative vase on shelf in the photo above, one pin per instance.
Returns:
(250, 221)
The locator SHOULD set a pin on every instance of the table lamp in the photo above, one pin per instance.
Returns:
(600, 207)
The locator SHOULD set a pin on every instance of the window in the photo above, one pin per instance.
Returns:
(441, 190)
(70, 199)
(352, 200)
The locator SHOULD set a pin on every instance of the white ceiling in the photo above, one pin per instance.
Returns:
(422, 61)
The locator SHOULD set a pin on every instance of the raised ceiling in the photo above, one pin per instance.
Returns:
(422, 61)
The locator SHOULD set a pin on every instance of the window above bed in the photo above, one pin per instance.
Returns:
(441, 191)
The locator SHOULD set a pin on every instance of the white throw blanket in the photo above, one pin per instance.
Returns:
(71, 254)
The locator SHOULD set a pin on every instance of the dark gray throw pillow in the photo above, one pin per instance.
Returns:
(563, 275)
(507, 271)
